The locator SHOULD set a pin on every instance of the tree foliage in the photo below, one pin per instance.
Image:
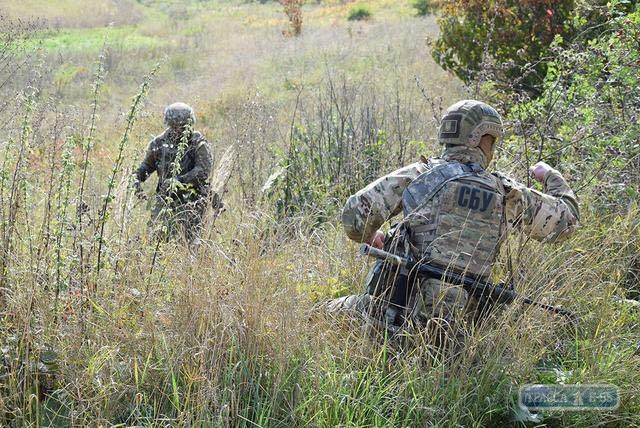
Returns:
(504, 41)
(587, 115)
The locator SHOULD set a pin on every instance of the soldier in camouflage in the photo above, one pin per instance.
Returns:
(182, 159)
(455, 215)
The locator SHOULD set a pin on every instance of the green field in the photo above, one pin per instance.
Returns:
(101, 325)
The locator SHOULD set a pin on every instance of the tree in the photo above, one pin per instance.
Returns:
(504, 41)
(587, 116)
(293, 10)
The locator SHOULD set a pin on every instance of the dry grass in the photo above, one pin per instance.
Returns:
(155, 336)
(74, 13)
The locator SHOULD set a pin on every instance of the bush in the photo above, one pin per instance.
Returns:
(345, 136)
(293, 10)
(359, 13)
(504, 42)
(587, 116)
(424, 7)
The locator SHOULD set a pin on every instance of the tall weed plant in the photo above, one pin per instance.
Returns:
(343, 135)
(233, 336)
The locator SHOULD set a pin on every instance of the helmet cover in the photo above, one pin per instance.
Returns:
(178, 115)
(465, 122)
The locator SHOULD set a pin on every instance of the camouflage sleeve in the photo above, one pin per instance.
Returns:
(202, 165)
(549, 216)
(148, 164)
(371, 206)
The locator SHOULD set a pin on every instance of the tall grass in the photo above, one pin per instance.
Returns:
(233, 336)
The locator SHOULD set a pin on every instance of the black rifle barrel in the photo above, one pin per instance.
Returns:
(477, 287)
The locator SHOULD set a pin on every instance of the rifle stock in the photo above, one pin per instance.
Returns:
(477, 287)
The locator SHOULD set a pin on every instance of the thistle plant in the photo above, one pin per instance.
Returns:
(17, 189)
(117, 166)
(87, 147)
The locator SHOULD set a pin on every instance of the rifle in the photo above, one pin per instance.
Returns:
(477, 287)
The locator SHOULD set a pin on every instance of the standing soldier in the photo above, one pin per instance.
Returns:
(455, 216)
(182, 159)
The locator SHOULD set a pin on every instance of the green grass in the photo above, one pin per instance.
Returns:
(100, 325)
(92, 41)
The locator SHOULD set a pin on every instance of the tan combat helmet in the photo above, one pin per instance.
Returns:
(179, 114)
(465, 122)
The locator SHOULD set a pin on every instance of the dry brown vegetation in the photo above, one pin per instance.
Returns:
(103, 326)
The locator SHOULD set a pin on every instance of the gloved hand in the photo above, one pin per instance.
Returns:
(538, 171)
(377, 241)
(137, 189)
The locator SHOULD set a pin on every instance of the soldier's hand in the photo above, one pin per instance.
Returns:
(377, 241)
(137, 190)
(538, 171)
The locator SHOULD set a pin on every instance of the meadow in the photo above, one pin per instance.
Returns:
(101, 325)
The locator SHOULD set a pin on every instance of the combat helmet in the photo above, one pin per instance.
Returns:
(465, 122)
(179, 114)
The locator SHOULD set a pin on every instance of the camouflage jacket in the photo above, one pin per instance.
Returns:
(550, 215)
(195, 165)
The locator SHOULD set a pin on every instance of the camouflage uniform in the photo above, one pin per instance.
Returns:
(450, 228)
(182, 159)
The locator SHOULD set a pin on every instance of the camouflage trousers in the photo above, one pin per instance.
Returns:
(437, 314)
(172, 218)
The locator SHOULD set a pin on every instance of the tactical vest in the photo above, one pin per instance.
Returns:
(454, 216)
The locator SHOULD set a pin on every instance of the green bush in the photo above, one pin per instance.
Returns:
(504, 41)
(343, 138)
(423, 7)
(587, 116)
(359, 13)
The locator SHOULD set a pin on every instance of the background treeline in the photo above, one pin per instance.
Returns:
(100, 325)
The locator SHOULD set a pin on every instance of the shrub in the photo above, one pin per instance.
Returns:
(359, 13)
(587, 114)
(345, 136)
(293, 10)
(504, 41)
(424, 7)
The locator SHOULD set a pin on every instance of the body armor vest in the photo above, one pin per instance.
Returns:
(454, 216)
